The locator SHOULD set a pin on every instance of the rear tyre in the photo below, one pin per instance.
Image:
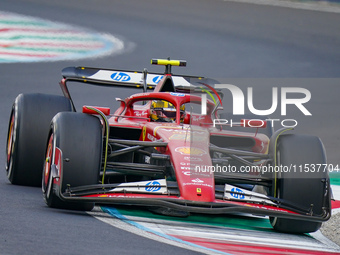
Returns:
(79, 138)
(27, 134)
(308, 188)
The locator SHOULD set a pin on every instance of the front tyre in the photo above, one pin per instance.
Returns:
(27, 134)
(75, 148)
(305, 189)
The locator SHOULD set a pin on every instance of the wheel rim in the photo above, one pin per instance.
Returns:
(10, 145)
(47, 165)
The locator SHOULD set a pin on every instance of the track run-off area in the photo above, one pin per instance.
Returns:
(29, 39)
(234, 234)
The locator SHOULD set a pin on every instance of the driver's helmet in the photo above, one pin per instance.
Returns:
(163, 111)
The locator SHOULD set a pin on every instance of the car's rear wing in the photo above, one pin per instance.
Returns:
(110, 77)
(132, 79)
(136, 79)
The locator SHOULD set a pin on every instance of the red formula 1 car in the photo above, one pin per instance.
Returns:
(164, 150)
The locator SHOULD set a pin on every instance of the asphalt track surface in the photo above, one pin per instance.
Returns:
(217, 38)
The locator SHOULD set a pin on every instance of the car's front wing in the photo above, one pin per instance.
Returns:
(219, 206)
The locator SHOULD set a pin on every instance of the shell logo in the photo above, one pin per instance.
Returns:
(190, 151)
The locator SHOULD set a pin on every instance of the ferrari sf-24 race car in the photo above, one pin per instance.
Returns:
(163, 150)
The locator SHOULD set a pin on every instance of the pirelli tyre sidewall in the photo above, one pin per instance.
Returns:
(78, 137)
(306, 189)
(28, 128)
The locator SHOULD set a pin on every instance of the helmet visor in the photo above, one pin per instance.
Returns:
(169, 113)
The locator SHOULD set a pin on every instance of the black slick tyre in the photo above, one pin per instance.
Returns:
(28, 129)
(306, 188)
(78, 137)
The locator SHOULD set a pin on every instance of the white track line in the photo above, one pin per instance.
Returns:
(317, 6)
